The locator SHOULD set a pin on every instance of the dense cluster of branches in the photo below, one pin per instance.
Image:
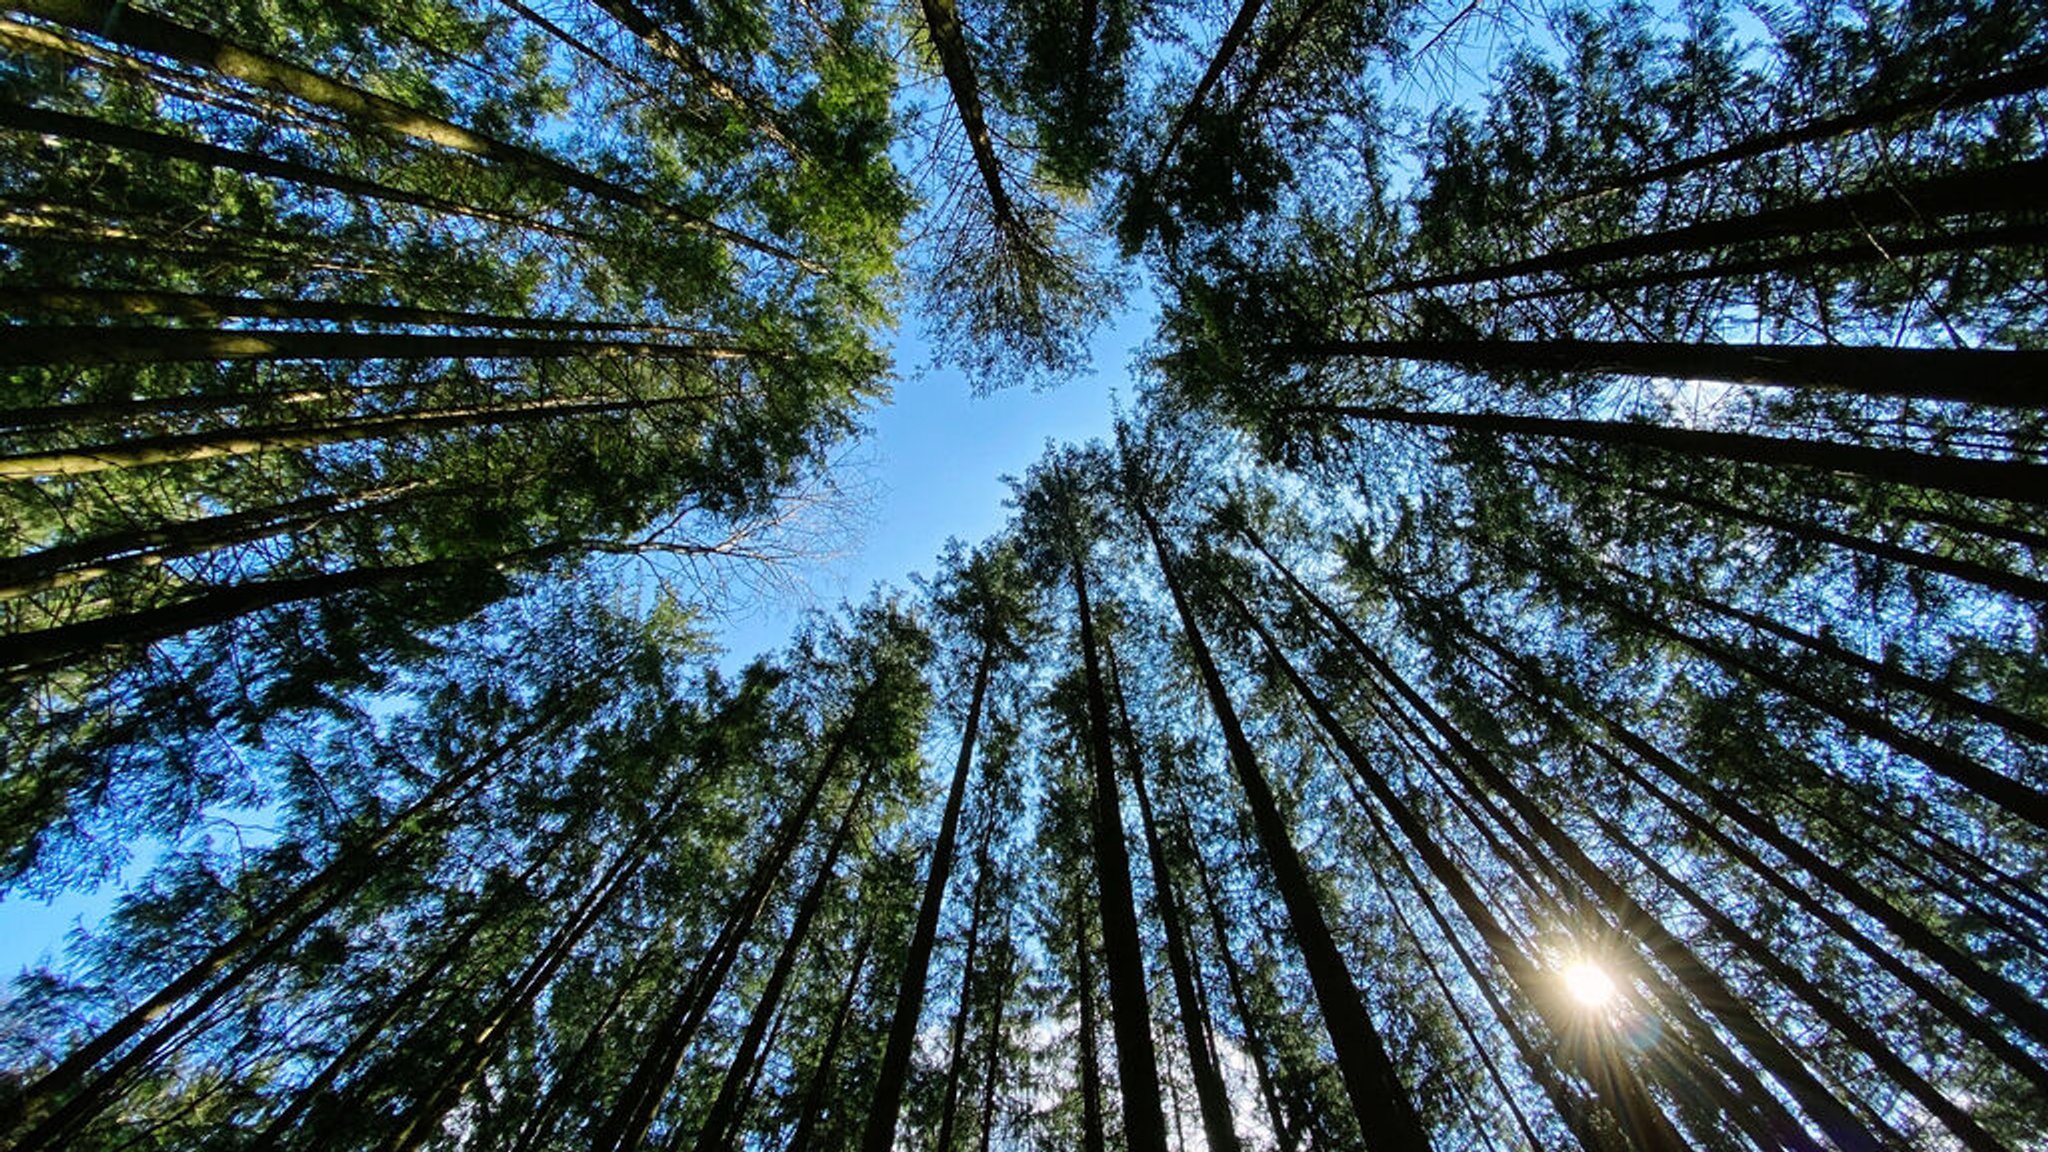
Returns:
(1583, 531)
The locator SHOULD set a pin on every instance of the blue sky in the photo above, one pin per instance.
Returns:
(933, 463)
(935, 458)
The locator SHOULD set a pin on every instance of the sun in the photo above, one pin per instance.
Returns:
(1589, 984)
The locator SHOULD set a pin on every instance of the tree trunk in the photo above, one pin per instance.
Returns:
(880, 1132)
(1386, 1113)
(949, 40)
(2012, 584)
(234, 962)
(1211, 1098)
(84, 560)
(717, 1129)
(2013, 187)
(123, 304)
(86, 345)
(1997, 378)
(2017, 81)
(1092, 1127)
(1539, 686)
(1234, 37)
(26, 655)
(825, 1078)
(625, 1127)
(179, 448)
(956, 1062)
(21, 118)
(1629, 915)
(1966, 476)
(1130, 1013)
(150, 33)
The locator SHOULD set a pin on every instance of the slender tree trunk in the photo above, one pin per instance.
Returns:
(2014, 797)
(2013, 187)
(825, 1078)
(2012, 480)
(1888, 675)
(880, 1133)
(1998, 378)
(956, 1049)
(658, 41)
(179, 448)
(1883, 1056)
(26, 655)
(2012, 584)
(1865, 250)
(1630, 916)
(123, 304)
(1254, 1037)
(158, 1021)
(1210, 1096)
(86, 345)
(423, 1120)
(1234, 38)
(992, 1066)
(1539, 686)
(81, 561)
(1092, 1127)
(1386, 1113)
(625, 1127)
(949, 40)
(1130, 1012)
(150, 33)
(2018, 81)
(21, 118)
(717, 1129)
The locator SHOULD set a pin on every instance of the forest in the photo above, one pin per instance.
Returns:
(1549, 656)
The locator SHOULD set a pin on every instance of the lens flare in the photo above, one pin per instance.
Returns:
(1589, 984)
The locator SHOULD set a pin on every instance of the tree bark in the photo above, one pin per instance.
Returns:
(151, 33)
(184, 447)
(1386, 1113)
(2012, 480)
(2013, 187)
(1994, 378)
(215, 307)
(1130, 1013)
(1211, 1098)
(880, 1132)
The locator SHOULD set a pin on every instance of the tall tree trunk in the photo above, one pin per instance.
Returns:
(179, 448)
(956, 1049)
(2014, 797)
(1234, 37)
(1998, 378)
(1254, 1038)
(2013, 187)
(1540, 687)
(422, 1121)
(1092, 1126)
(153, 1025)
(21, 118)
(2018, 81)
(716, 1131)
(880, 1133)
(825, 1077)
(151, 33)
(26, 655)
(86, 345)
(2013, 480)
(1211, 1098)
(1130, 1012)
(625, 1126)
(956, 65)
(130, 303)
(992, 1065)
(1997, 579)
(1629, 915)
(1386, 1113)
(81, 561)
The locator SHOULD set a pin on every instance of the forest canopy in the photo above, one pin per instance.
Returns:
(1551, 655)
